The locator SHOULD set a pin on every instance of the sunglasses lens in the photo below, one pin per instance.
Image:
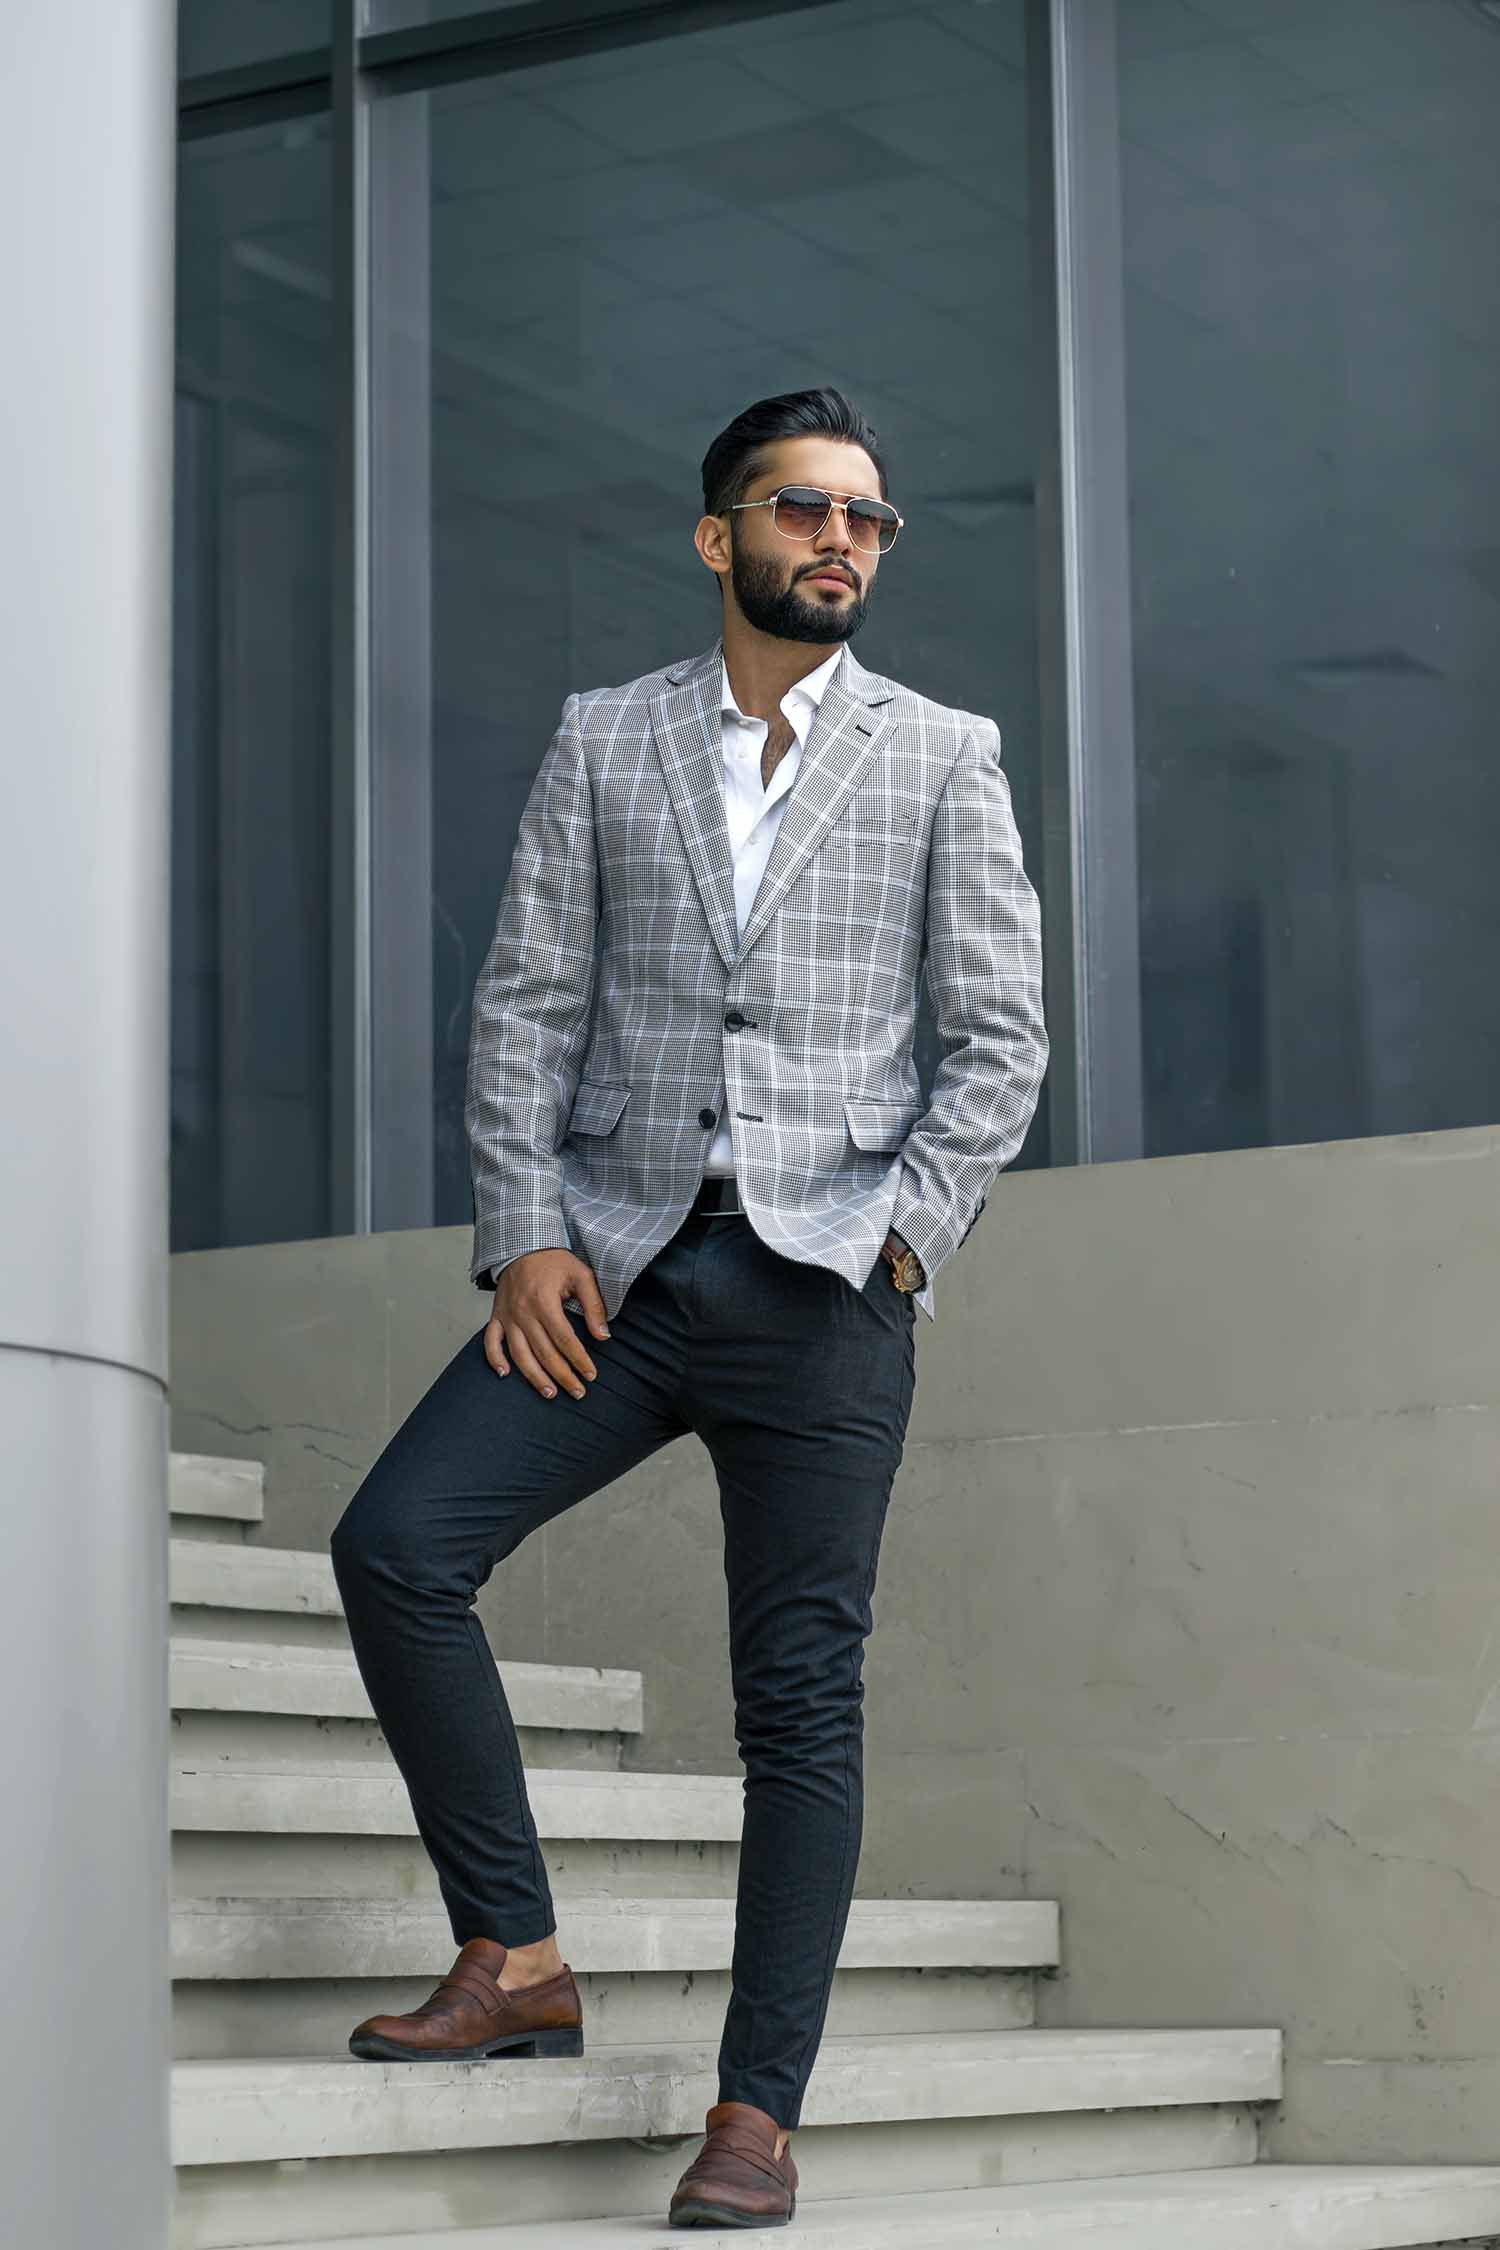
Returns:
(872, 523)
(801, 511)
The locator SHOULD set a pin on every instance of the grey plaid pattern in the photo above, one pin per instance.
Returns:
(600, 1026)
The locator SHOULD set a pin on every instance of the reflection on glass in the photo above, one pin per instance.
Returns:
(1313, 318)
(250, 840)
(623, 251)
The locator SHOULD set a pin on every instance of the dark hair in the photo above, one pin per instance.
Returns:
(737, 455)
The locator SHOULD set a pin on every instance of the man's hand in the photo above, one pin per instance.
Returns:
(893, 1249)
(529, 1315)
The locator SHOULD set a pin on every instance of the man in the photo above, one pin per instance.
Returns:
(707, 1197)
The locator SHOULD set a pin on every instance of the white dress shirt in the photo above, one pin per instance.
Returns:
(753, 812)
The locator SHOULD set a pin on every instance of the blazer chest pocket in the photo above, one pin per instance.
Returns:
(596, 1108)
(877, 1122)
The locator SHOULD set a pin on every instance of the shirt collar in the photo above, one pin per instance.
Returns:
(811, 686)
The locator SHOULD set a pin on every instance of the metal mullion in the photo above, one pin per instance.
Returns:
(351, 1158)
(1091, 893)
(402, 864)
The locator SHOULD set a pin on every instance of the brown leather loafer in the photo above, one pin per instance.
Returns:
(468, 2017)
(737, 2179)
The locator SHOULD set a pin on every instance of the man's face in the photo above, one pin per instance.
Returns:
(804, 589)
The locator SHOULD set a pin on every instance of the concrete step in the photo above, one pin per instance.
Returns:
(266, 2112)
(349, 2199)
(212, 1864)
(1244, 2207)
(291, 1977)
(222, 2022)
(269, 1581)
(243, 1938)
(210, 1488)
(249, 1738)
(350, 1798)
(256, 1676)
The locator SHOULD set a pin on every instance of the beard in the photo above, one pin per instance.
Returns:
(787, 610)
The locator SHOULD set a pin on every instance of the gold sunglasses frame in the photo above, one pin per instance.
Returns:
(835, 500)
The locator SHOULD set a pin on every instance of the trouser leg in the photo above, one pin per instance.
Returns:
(481, 1461)
(804, 1410)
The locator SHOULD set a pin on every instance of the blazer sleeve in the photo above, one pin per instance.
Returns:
(984, 971)
(533, 1002)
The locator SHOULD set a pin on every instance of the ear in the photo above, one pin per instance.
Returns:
(711, 538)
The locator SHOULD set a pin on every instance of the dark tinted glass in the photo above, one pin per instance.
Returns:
(397, 15)
(1313, 325)
(219, 34)
(599, 254)
(250, 792)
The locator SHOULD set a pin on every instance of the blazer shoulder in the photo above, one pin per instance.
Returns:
(610, 701)
(946, 723)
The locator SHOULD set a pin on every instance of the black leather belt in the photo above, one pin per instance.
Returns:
(718, 1194)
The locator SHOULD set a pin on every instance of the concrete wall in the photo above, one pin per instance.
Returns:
(1186, 1612)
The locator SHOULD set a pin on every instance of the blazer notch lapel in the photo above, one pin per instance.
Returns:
(847, 733)
(848, 729)
(688, 738)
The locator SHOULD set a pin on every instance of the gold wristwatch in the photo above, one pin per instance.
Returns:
(906, 1269)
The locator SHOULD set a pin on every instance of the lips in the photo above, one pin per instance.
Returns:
(830, 578)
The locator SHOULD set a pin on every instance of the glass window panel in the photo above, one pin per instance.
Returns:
(220, 34)
(250, 822)
(1313, 321)
(618, 255)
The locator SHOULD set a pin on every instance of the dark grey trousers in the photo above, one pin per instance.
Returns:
(800, 1386)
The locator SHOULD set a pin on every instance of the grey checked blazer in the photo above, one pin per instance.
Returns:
(617, 1010)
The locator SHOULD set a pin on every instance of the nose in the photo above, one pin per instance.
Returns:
(834, 539)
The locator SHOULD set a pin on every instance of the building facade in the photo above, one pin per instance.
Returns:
(1173, 317)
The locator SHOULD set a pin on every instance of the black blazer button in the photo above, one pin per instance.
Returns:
(707, 1117)
(734, 1021)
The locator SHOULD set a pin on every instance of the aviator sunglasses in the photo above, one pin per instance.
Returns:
(799, 511)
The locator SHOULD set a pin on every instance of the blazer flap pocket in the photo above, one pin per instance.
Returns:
(876, 1122)
(596, 1108)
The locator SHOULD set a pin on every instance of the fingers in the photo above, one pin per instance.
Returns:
(538, 1351)
(530, 1317)
(494, 1348)
(591, 1297)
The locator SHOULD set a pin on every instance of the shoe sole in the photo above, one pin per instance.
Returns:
(719, 2215)
(522, 2044)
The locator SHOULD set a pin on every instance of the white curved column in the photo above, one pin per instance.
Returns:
(87, 147)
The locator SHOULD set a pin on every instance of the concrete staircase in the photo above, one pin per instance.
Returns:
(939, 2113)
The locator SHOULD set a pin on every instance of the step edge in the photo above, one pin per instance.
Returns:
(247, 1505)
(971, 2207)
(211, 2126)
(670, 1935)
(265, 1656)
